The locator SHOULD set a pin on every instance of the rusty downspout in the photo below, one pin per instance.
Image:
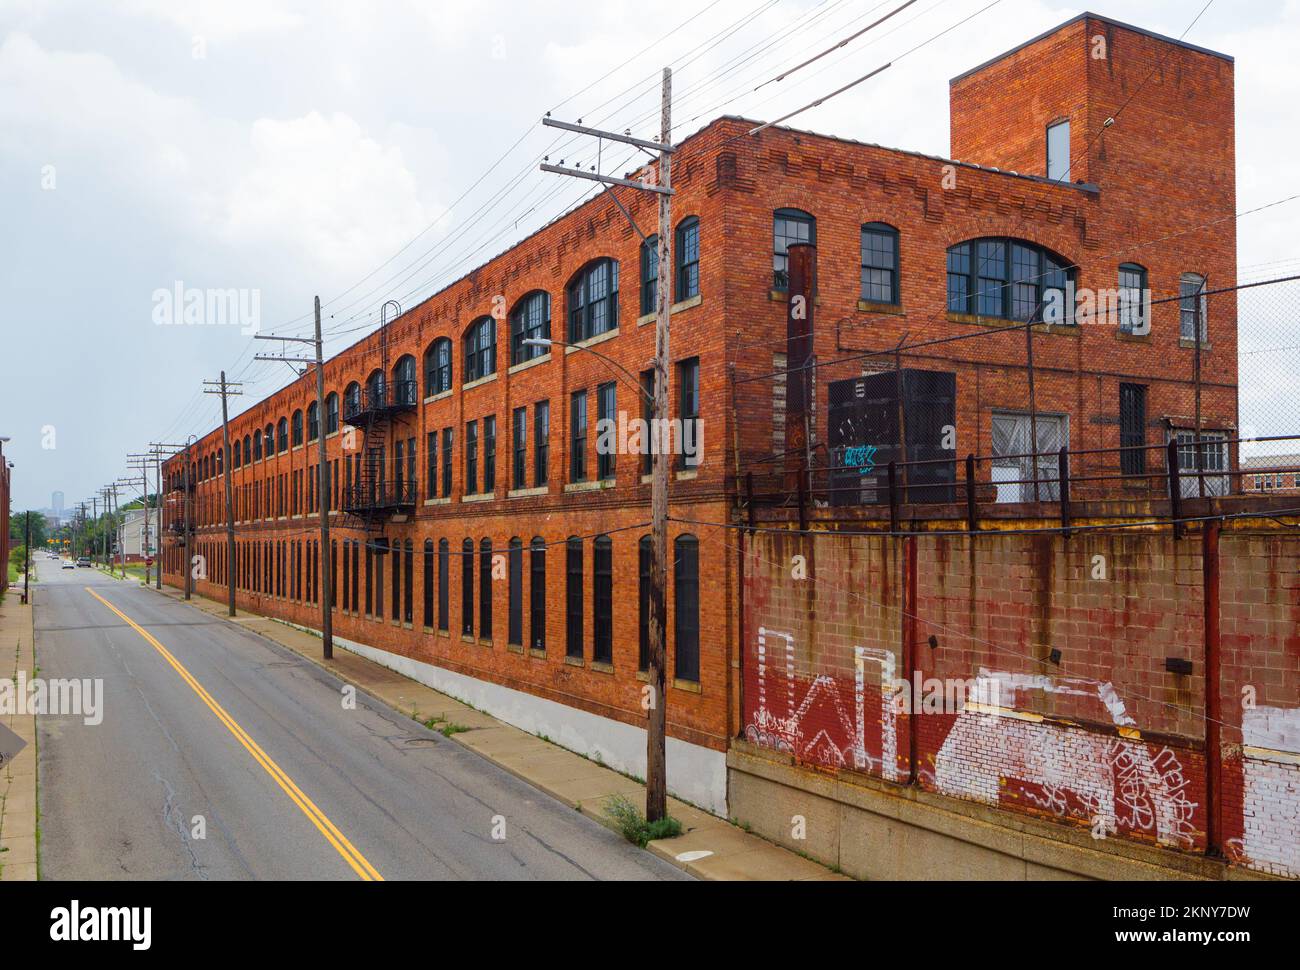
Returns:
(909, 650)
(1213, 692)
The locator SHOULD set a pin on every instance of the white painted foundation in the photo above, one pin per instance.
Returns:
(695, 774)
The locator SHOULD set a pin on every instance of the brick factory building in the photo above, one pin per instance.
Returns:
(484, 543)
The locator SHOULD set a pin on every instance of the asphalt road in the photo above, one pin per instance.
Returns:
(217, 725)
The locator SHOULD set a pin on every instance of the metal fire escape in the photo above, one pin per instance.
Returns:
(373, 497)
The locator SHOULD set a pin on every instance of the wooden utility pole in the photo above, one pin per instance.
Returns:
(142, 465)
(224, 388)
(326, 558)
(656, 797)
(187, 483)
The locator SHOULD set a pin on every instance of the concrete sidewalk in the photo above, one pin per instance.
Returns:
(709, 847)
(18, 776)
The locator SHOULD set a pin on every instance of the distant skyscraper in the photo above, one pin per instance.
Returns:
(56, 503)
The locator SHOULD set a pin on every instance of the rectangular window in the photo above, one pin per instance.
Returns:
(1213, 457)
(444, 584)
(688, 259)
(602, 589)
(537, 594)
(1190, 308)
(991, 256)
(959, 279)
(541, 443)
(688, 385)
(427, 569)
(471, 457)
(431, 458)
(446, 462)
(1133, 306)
(606, 416)
(789, 226)
(1015, 469)
(645, 555)
(649, 275)
(515, 634)
(467, 588)
(1058, 152)
(879, 264)
(1133, 428)
(489, 453)
(686, 608)
(573, 598)
(647, 415)
(578, 433)
(485, 590)
(519, 436)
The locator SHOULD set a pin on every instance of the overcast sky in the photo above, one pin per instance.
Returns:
(335, 148)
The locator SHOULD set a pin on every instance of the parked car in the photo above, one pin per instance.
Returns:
(84, 561)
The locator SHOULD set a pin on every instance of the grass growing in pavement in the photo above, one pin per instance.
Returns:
(629, 821)
(443, 726)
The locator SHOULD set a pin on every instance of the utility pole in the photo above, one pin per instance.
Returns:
(326, 558)
(27, 556)
(94, 517)
(225, 390)
(118, 536)
(656, 798)
(142, 465)
(157, 464)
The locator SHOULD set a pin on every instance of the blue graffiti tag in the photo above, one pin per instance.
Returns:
(861, 457)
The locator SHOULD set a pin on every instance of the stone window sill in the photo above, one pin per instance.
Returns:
(441, 395)
(574, 661)
(870, 306)
(516, 368)
(689, 686)
(600, 338)
(479, 382)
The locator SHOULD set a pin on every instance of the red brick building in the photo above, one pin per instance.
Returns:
(485, 546)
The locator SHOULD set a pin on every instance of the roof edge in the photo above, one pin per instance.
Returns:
(1088, 15)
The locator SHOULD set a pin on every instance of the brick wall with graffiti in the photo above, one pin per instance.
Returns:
(1061, 678)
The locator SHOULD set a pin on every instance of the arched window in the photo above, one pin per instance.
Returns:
(789, 226)
(313, 421)
(602, 596)
(650, 275)
(515, 576)
(437, 367)
(485, 589)
(573, 597)
(880, 263)
(375, 389)
(444, 583)
(331, 412)
(236, 454)
(1133, 300)
(257, 446)
(687, 247)
(467, 588)
(593, 300)
(480, 349)
(530, 320)
(351, 401)
(1009, 279)
(686, 608)
(248, 453)
(268, 439)
(537, 593)
(406, 388)
(282, 436)
(428, 584)
(1190, 285)
(297, 428)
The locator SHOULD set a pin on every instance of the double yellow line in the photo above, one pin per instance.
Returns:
(327, 828)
